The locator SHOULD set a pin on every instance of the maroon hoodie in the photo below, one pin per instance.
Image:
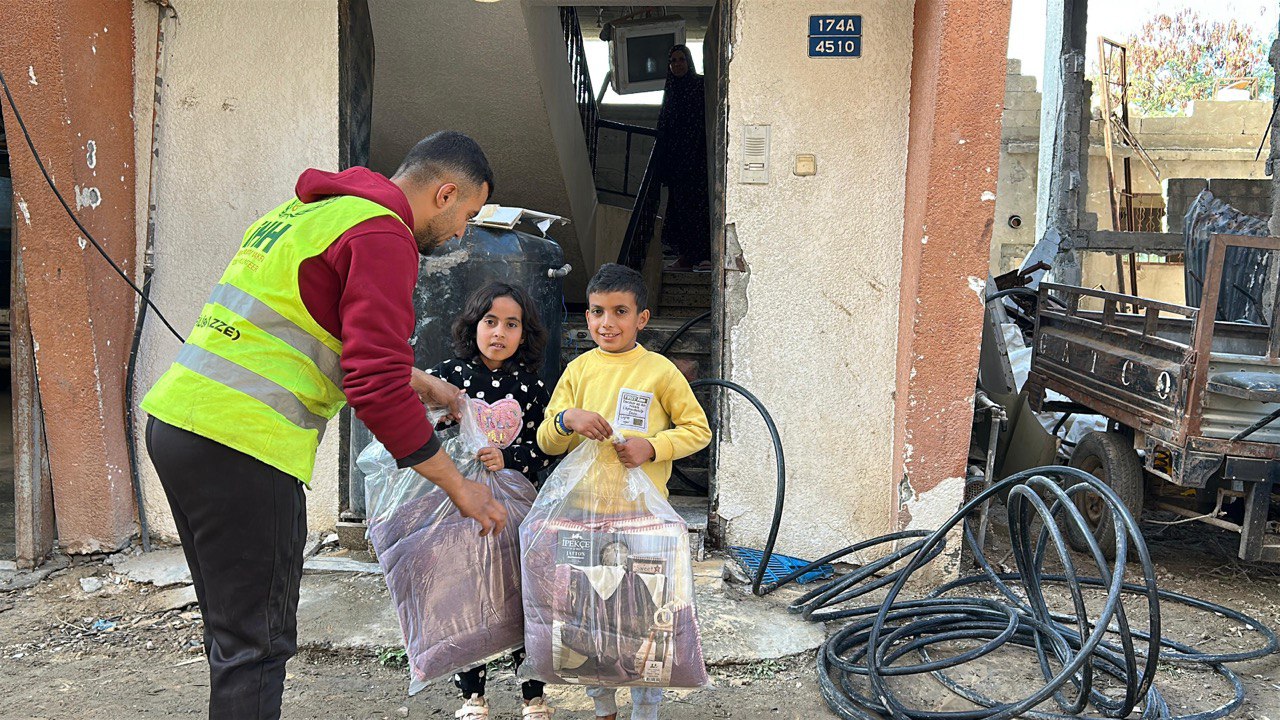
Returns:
(360, 289)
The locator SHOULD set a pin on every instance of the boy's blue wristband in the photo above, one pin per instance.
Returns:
(560, 426)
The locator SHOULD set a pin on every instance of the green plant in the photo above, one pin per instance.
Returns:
(397, 658)
(1176, 58)
(766, 669)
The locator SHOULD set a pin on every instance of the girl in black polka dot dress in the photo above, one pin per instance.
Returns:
(499, 340)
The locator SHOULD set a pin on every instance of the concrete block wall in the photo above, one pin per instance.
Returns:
(1021, 118)
(1248, 196)
(1207, 125)
(1215, 139)
(1016, 184)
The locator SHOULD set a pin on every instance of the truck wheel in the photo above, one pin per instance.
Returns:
(1110, 458)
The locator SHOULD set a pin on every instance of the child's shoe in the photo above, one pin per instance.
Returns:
(537, 709)
(475, 708)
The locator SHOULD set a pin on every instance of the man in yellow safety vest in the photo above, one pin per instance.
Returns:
(315, 310)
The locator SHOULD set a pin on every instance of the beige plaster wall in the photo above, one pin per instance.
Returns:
(232, 146)
(812, 330)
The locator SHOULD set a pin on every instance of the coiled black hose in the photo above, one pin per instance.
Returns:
(1072, 649)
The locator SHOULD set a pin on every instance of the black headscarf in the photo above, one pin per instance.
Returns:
(682, 139)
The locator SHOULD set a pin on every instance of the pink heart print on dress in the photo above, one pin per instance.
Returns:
(500, 422)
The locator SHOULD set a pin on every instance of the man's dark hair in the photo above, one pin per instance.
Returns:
(533, 333)
(612, 277)
(445, 153)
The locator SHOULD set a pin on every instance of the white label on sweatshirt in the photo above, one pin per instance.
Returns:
(633, 411)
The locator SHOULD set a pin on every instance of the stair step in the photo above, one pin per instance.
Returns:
(678, 313)
(694, 345)
(693, 509)
(670, 277)
(679, 292)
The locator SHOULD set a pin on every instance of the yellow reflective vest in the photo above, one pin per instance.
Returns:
(258, 374)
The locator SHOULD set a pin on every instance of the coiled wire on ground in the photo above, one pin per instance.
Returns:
(860, 664)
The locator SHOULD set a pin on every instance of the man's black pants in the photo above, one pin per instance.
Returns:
(243, 525)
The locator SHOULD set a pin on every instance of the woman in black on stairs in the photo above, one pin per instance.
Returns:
(681, 156)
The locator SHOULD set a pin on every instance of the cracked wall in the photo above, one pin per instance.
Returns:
(813, 331)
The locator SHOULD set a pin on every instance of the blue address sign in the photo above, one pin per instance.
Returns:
(835, 36)
(835, 25)
(835, 47)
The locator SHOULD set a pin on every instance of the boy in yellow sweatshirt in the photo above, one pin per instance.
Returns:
(622, 387)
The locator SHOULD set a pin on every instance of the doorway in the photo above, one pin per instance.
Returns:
(384, 108)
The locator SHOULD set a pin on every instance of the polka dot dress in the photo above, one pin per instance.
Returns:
(521, 385)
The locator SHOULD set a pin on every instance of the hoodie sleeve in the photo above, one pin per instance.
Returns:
(378, 265)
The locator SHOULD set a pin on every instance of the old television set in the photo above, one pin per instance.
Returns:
(638, 53)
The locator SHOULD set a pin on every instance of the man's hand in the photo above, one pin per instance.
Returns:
(491, 458)
(435, 392)
(588, 424)
(472, 499)
(634, 452)
(476, 501)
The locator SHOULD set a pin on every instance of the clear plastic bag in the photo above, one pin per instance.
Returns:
(608, 580)
(457, 594)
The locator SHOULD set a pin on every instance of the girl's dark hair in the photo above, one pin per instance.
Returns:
(533, 339)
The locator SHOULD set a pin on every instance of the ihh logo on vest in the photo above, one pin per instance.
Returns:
(256, 245)
(264, 238)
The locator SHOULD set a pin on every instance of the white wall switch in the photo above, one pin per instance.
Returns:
(806, 164)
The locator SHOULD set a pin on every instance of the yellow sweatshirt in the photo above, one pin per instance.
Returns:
(641, 394)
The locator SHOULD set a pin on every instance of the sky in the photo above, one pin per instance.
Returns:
(1117, 19)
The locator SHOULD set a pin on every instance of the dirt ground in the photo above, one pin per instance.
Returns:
(55, 664)
(58, 661)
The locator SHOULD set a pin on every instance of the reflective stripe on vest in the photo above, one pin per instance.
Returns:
(258, 374)
(220, 369)
(261, 314)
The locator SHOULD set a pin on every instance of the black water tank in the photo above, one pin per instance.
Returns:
(457, 268)
(445, 279)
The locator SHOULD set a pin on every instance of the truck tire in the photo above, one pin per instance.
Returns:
(1110, 457)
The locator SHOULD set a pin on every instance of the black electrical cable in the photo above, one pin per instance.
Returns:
(1072, 649)
(144, 528)
(780, 469)
(671, 340)
(70, 213)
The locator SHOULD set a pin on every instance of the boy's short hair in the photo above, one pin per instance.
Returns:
(612, 277)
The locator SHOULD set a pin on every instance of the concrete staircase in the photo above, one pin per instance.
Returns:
(684, 294)
(508, 85)
(694, 346)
